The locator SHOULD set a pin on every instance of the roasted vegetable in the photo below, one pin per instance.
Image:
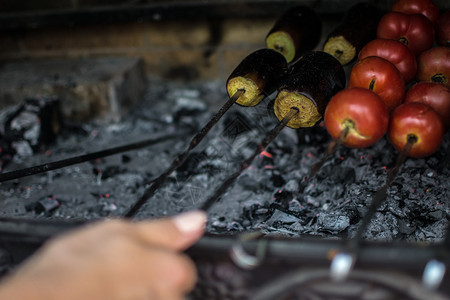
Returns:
(311, 82)
(357, 29)
(297, 30)
(259, 75)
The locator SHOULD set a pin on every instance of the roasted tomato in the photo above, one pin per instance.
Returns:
(424, 7)
(443, 29)
(434, 65)
(415, 31)
(435, 95)
(418, 122)
(395, 52)
(359, 114)
(382, 77)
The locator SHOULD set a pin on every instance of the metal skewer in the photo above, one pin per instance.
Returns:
(270, 136)
(81, 158)
(380, 195)
(343, 262)
(150, 191)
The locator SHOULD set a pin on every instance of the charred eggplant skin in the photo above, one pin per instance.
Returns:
(309, 86)
(301, 27)
(358, 27)
(259, 74)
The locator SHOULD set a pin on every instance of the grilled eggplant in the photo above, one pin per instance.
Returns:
(309, 86)
(259, 75)
(356, 30)
(297, 30)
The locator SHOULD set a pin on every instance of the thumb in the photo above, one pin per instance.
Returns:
(176, 233)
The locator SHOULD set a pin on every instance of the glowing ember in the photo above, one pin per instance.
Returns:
(266, 154)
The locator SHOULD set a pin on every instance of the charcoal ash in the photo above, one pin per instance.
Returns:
(273, 195)
(32, 125)
(45, 205)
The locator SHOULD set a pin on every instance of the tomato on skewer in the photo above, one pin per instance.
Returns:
(380, 76)
(419, 124)
(415, 31)
(395, 52)
(356, 116)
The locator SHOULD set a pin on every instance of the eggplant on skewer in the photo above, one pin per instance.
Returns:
(358, 27)
(259, 75)
(300, 102)
(309, 86)
(296, 31)
(256, 76)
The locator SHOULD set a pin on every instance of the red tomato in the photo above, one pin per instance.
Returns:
(395, 52)
(435, 95)
(415, 31)
(434, 65)
(361, 112)
(382, 77)
(420, 121)
(443, 29)
(424, 7)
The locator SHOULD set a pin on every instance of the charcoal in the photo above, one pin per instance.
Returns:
(353, 214)
(283, 197)
(36, 121)
(219, 223)
(333, 222)
(266, 159)
(292, 186)
(108, 171)
(272, 195)
(45, 205)
(428, 180)
(277, 179)
(436, 215)
(406, 227)
(255, 210)
(310, 188)
(250, 183)
(22, 148)
(126, 158)
(314, 201)
(280, 218)
(383, 227)
(235, 227)
(109, 207)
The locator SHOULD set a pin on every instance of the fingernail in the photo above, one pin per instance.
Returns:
(192, 221)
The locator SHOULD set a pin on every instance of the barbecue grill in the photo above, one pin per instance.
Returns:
(273, 233)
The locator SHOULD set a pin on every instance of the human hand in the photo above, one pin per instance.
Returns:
(110, 260)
